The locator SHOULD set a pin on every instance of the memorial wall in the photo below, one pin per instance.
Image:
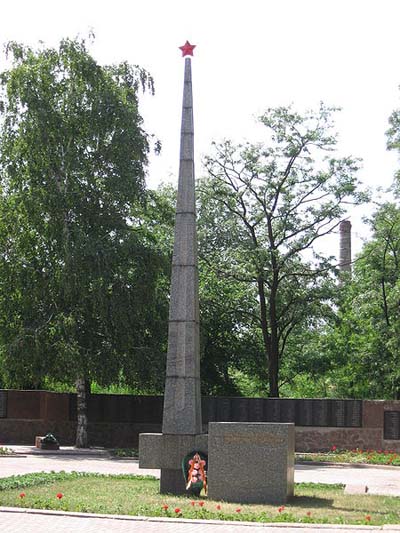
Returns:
(115, 420)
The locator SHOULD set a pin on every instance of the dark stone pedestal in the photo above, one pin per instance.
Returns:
(157, 450)
(172, 482)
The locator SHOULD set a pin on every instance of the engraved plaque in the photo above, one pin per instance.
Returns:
(320, 413)
(304, 413)
(239, 410)
(209, 409)
(3, 404)
(96, 408)
(288, 410)
(111, 407)
(148, 409)
(353, 413)
(256, 410)
(391, 425)
(125, 408)
(273, 410)
(224, 410)
(72, 406)
(338, 413)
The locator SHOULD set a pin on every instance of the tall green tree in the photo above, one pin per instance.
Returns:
(79, 274)
(264, 207)
(365, 340)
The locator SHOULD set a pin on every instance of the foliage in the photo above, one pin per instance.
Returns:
(79, 275)
(262, 209)
(357, 456)
(125, 452)
(32, 480)
(230, 348)
(365, 340)
(5, 451)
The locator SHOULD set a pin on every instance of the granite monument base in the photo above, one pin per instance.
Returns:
(250, 462)
(164, 451)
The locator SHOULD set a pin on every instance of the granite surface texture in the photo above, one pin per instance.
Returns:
(250, 462)
(182, 397)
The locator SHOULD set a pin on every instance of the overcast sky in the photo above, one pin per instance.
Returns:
(250, 55)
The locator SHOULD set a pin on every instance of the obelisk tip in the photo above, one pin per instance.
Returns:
(187, 49)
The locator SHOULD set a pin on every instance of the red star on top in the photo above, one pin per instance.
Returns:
(187, 49)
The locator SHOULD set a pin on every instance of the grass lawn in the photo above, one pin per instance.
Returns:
(131, 495)
(356, 456)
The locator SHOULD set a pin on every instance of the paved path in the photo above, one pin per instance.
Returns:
(379, 481)
(12, 521)
(10, 466)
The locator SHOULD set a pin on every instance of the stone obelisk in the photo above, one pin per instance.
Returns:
(182, 400)
(182, 422)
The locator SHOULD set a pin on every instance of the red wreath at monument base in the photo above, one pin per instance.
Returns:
(194, 467)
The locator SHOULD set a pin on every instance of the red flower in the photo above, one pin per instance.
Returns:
(192, 504)
(177, 510)
(218, 507)
(59, 495)
(201, 504)
(368, 518)
(333, 449)
(308, 513)
(281, 508)
(238, 510)
(165, 506)
(22, 495)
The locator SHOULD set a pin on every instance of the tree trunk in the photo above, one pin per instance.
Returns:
(273, 370)
(82, 392)
(272, 367)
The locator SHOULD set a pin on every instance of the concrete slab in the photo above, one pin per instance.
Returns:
(355, 489)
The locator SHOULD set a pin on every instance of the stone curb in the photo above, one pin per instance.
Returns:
(70, 453)
(88, 452)
(113, 457)
(280, 525)
(52, 454)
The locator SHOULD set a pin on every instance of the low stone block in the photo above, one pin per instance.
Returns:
(355, 489)
(150, 448)
(250, 462)
(159, 450)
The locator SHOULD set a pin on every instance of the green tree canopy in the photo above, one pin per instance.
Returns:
(263, 207)
(79, 274)
(365, 340)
